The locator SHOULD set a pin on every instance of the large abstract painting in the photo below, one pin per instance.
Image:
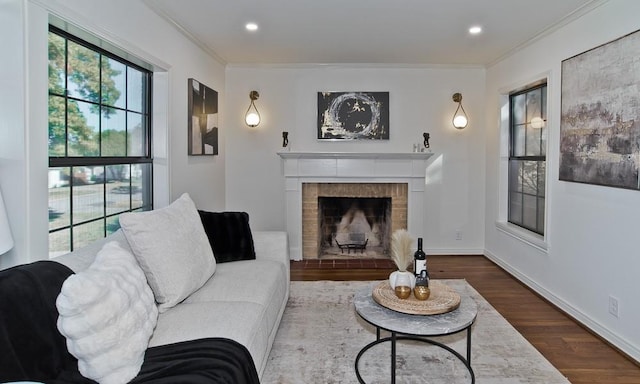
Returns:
(600, 122)
(203, 119)
(353, 115)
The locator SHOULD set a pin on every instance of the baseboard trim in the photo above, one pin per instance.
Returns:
(454, 251)
(617, 342)
(295, 253)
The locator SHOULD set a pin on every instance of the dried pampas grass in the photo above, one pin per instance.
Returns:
(401, 254)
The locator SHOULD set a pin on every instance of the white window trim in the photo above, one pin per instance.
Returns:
(502, 224)
(519, 233)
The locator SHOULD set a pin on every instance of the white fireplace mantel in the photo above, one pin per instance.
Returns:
(355, 155)
(351, 167)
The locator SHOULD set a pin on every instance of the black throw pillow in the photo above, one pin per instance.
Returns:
(229, 235)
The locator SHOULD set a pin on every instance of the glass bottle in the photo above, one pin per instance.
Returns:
(420, 265)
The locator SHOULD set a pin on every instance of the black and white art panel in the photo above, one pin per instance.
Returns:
(353, 116)
(203, 119)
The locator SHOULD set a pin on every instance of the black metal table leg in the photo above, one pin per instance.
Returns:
(393, 358)
(393, 340)
(469, 346)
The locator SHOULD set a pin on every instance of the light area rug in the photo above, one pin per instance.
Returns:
(321, 334)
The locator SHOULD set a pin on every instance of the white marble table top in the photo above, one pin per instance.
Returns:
(417, 325)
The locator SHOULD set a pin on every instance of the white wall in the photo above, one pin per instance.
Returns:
(133, 27)
(591, 230)
(420, 101)
(14, 117)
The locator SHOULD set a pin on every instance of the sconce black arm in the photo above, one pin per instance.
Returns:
(426, 139)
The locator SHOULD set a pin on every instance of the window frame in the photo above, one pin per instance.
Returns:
(70, 162)
(540, 227)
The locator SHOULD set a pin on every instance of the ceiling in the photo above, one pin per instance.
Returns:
(411, 32)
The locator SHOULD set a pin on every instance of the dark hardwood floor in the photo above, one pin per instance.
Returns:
(580, 355)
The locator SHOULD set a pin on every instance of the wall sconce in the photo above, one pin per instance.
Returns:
(460, 119)
(285, 139)
(6, 241)
(252, 117)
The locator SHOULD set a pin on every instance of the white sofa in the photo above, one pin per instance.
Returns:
(243, 300)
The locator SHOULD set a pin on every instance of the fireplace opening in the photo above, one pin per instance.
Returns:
(354, 226)
(318, 240)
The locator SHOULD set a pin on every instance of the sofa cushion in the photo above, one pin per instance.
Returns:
(172, 248)
(229, 235)
(81, 258)
(262, 282)
(236, 320)
(107, 314)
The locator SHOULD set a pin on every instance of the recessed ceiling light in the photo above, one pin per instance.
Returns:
(475, 30)
(251, 27)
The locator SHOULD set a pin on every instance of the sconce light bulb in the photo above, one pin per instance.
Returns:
(460, 121)
(252, 119)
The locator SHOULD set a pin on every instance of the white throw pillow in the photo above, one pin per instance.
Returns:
(172, 249)
(107, 314)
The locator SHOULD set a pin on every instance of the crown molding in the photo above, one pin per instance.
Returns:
(184, 32)
(571, 17)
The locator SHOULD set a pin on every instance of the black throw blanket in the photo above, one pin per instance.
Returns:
(30, 345)
(31, 348)
(201, 361)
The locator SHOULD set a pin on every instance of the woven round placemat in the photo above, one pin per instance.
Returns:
(441, 300)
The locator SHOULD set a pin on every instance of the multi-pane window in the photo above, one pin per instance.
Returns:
(527, 157)
(100, 161)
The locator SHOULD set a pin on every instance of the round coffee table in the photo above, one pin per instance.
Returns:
(415, 327)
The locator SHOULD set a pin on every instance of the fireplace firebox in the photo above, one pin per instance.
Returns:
(354, 225)
(351, 220)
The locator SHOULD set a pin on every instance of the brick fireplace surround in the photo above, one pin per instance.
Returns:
(310, 219)
(308, 170)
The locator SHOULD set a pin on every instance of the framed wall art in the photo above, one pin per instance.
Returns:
(600, 115)
(353, 116)
(203, 119)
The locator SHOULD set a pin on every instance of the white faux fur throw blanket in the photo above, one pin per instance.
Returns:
(107, 314)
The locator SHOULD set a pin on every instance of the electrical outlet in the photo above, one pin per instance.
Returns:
(458, 234)
(613, 306)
